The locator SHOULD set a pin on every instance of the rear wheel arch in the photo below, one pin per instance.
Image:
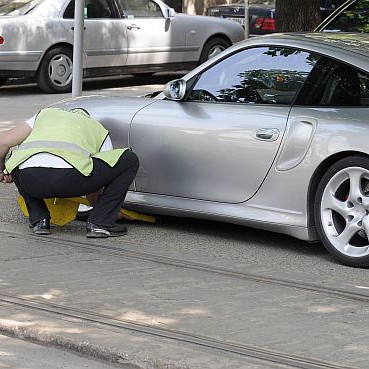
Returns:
(44, 83)
(61, 44)
(318, 175)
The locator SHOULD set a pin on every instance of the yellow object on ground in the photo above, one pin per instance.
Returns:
(64, 211)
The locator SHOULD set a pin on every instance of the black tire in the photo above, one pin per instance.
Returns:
(213, 47)
(341, 211)
(3, 81)
(55, 71)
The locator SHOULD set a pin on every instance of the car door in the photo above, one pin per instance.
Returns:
(105, 37)
(220, 143)
(152, 39)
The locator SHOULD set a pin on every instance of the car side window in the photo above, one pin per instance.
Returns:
(332, 83)
(94, 9)
(354, 19)
(140, 9)
(263, 75)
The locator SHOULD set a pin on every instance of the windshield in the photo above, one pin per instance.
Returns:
(17, 7)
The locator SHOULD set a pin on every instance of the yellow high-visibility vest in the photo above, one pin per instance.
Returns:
(72, 136)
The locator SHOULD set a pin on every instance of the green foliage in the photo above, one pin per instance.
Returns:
(360, 15)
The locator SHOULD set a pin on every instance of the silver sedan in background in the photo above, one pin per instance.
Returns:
(272, 133)
(121, 37)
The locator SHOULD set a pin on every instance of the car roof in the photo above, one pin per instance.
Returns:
(350, 47)
(351, 42)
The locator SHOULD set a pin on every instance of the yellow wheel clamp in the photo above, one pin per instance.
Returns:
(63, 211)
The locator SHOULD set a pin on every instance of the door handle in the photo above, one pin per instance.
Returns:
(266, 134)
(133, 26)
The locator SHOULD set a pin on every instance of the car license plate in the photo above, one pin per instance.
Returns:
(238, 20)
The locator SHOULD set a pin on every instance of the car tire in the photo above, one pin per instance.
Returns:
(55, 72)
(3, 81)
(341, 211)
(212, 48)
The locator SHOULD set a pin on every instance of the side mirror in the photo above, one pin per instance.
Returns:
(175, 90)
(169, 13)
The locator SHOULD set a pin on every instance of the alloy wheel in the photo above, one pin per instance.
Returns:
(215, 50)
(344, 211)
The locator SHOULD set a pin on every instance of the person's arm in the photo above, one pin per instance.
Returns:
(13, 137)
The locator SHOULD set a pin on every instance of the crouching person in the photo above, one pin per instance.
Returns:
(67, 154)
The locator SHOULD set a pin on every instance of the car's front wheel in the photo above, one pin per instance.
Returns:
(212, 48)
(342, 211)
(55, 72)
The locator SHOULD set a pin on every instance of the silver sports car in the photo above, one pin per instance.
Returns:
(121, 37)
(272, 133)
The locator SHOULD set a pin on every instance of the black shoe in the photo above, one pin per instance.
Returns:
(95, 231)
(42, 227)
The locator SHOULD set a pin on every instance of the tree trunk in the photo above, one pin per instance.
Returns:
(297, 15)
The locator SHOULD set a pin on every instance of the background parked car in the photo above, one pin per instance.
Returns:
(121, 37)
(352, 16)
(261, 13)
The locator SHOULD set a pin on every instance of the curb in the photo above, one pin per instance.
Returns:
(84, 348)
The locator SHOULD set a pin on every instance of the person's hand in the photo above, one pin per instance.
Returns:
(6, 178)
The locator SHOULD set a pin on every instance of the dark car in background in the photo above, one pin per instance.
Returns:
(262, 13)
(352, 16)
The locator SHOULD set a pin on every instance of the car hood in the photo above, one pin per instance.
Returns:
(107, 107)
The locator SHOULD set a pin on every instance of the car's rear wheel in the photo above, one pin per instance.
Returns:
(213, 47)
(342, 211)
(55, 72)
(3, 81)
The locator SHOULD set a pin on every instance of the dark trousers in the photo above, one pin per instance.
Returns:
(36, 184)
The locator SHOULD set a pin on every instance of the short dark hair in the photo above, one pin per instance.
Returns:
(80, 110)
